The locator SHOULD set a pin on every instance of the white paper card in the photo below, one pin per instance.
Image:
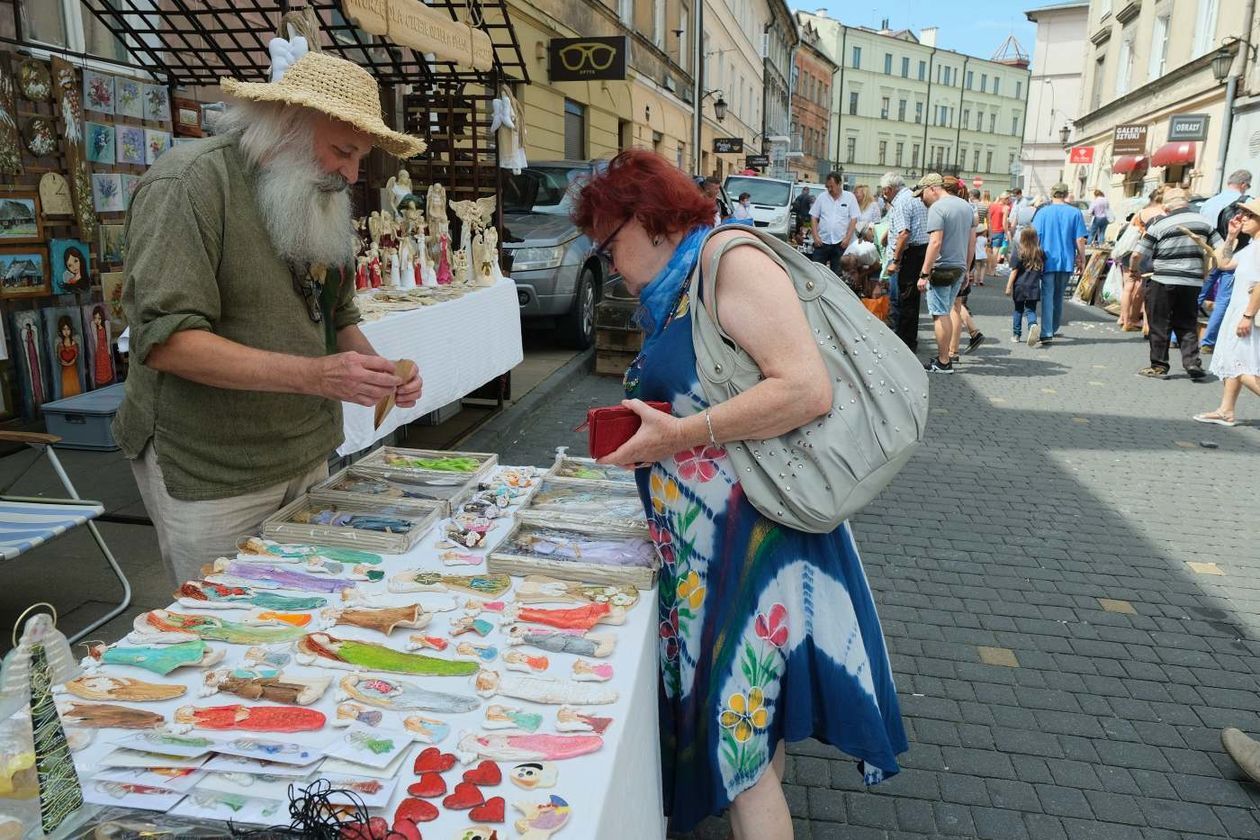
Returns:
(177, 779)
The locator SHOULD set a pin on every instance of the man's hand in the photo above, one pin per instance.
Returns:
(893, 267)
(409, 392)
(923, 284)
(357, 378)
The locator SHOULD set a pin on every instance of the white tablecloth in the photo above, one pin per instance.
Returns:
(459, 345)
(614, 793)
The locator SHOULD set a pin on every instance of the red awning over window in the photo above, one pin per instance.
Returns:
(1175, 154)
(1130, 163)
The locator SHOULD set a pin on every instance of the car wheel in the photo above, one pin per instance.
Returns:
(577, 327)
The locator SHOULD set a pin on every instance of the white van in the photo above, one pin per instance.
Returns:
(769, 198)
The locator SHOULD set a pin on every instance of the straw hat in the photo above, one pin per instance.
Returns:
(336, 87)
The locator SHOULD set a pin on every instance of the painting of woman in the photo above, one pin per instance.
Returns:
(98, 335)
(31, 355)
(68, 357)
(71, 266)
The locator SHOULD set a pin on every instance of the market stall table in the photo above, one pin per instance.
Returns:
(459, 346)
(613, 793)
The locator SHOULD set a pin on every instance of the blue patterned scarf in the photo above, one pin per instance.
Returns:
(659, 297)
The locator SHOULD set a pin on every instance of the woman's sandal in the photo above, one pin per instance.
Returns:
(1216, 418)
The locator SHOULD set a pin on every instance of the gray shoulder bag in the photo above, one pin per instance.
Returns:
(815, 477)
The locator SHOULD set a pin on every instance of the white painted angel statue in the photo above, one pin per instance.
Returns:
(399, 187)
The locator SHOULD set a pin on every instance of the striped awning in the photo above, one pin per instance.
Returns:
(24, 525)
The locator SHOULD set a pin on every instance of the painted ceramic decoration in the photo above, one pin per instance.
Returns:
(426, 730)
(112, 244)
(210, 805)
(570, 719)
(348, 713)
(478, 650)
(559, 641)
(331, 652)
(71, 266)
(100, 143)
(130, 144)
(543, 689)
(110, 716)
(453, 557)
(417, 641)
(251, 718)
(543, 589)
(65, 350)
(269, 749)
(279, 577)
(262, 658)
(478, 832)
(39, 136)
(371, 747)
(588, 470)
(514, 660)
(468, 531)
(107, 193)
(396, 695)
(157, 104)
(24, 273)
(332, 517)
(222, 763)
(555, 544)
(131, 795)
(511, 717)
(155, 144)
(541, 820)
(531, 775)
(157, 624)
(499, 746)
(128, 98)
(584, 671)
(33, 80)
(383, 620)
(302, 691)
(166, 743)
(100, 346)
(585, 503)
(373, 793)
(452, 463)
(54, 196)
(98, 92)
(111, 290)
(487, 585)
(295, 553)
(471, 624)
(159, 659)
(10, 140)
(177, 779)
(438, 488)
(82, 188)
(101, 687)
(202, 594)
(575, 618)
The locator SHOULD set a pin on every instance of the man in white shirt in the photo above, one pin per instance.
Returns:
(832, 219)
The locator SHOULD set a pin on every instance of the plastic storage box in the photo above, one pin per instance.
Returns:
(83, 421)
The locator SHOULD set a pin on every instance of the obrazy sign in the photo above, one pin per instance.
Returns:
(1081, 154)
(1188, 127)
(757, 161)
(728, 145)
(1129, 140)
(587, 59)
(410, 23)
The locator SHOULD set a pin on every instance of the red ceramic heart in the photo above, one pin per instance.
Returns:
(490, 811)
(429, 786)
(485, 774)
(466, 795)
(433, 760)
(407, 829)
(416, 810)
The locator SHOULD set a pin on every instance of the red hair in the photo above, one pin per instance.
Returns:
(642, 185)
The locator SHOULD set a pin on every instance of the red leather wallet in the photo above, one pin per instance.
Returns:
(608, 427)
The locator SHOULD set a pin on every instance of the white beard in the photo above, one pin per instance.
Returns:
(306, 212)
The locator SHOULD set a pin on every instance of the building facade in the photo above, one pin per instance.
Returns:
(1150, 65)
(779, 42)
(812, 72)
(1054, 92)
(734, 70)
(900, 102)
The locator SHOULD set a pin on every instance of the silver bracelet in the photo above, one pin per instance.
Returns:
(709, 422)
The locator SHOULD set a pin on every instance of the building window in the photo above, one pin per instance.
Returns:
(857, 58)
(988, 161)
(658, 23)
(984, 82)
(1159, 48)
(899, 152)
(888, 63)
(993, 123)
(901, 110)
(1010, 163)
(997, 84)
(918, 112)
(625, 11)
(883, 152)
(1205, 27)
(1015, 124)
(853, 102)
(966, 120)
(962, 158)
(971, 79)
(64, 23)
(905, 67)
(684, 27)
(851, 151)
(950, 117)
(1019, 89)
(975, 163)
(922, 71)
(1095, 98)
(1124, 67)
(883, 108)
(574, 130)
(914, 156)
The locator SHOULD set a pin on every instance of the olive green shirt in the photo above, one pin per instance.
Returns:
(200, 258)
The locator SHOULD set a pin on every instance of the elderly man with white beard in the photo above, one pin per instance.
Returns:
(239, 290)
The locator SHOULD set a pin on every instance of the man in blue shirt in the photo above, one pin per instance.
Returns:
(1061, 229)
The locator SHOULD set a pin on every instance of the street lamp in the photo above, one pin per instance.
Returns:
(1064, 134)
(719, 108)
(1221, 62)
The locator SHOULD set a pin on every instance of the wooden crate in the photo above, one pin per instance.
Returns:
(611, 338)
(613, 362)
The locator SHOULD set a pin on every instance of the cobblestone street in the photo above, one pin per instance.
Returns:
(1069, 581)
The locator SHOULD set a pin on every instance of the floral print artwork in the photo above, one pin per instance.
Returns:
(155, 144)
(39, 136)
(34, 81)
(98, 92)
(130, 144)
(129, 98)
(10, 148)
(107, 192)
(100, 143)
(157, 104)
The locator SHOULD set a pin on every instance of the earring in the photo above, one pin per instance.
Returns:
(656, 241)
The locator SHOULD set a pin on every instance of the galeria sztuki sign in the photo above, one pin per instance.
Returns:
(588, 59)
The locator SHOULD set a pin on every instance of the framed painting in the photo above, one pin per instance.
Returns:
(40, 136)
(98, 346)
(113, 244)
(71, 266)
(129, 184)
(100, 143)
(29, 357)
(34, 81)
(155, 144)
(21, 222)
(98, 92)
(128, 97)
(157, 104)
(107, 193)
(64, 333)
(24, 273)
(188, 118)
(129, 142)
(112, 292)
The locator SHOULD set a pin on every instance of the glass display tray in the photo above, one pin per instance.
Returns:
(562, 500)
(379, 462)
(587, 471)
(419, 490)
(508, 557)
(282, 526)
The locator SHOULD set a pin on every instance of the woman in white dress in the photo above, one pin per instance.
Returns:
(1237, 357)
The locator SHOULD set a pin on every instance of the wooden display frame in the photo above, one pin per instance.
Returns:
(502, 560)
(280, 527)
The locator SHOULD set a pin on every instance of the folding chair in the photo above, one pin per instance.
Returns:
(26, 522)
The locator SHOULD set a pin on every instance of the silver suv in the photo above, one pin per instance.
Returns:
(559, 277)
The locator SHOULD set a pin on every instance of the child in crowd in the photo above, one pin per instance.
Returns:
(982, 256)
(1024, 284)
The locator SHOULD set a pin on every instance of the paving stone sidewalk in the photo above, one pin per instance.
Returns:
(1069, 582)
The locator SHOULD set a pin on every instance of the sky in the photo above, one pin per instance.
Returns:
(961, 28)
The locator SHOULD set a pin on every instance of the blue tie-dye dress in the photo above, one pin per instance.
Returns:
(766, 633)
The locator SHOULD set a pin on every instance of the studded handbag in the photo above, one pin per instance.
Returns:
(815, 477)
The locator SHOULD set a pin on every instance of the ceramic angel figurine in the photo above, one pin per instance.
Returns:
(592, 671)
(396, 695)
(476, 216)
(383, 620)
(362, 278)
(511, 717)
(574, 618)
(439, 238)
(350, 713)
(543, 689)
(15, 676)
(395, 272)
(101, 687)
(425, 729)
(374, 228)
(489, 272)
(459, 265)
(159, 659)
(406, 264)
(570, 719)
(399, 187)
(330, 652)
(515, 660)
(508, 124)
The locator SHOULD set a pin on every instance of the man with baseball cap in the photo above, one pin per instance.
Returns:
(951, 241)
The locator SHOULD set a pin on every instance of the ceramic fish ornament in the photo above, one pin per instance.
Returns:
(101, 687)
(159, 659)
(202, 594)
(396, 695)
(331, 652)
(543, 689)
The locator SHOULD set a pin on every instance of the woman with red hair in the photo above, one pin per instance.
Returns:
(767, 634)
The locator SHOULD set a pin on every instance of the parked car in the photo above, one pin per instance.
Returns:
(559, 277)
(770, 199)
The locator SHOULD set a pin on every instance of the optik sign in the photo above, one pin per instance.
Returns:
(587, 59)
